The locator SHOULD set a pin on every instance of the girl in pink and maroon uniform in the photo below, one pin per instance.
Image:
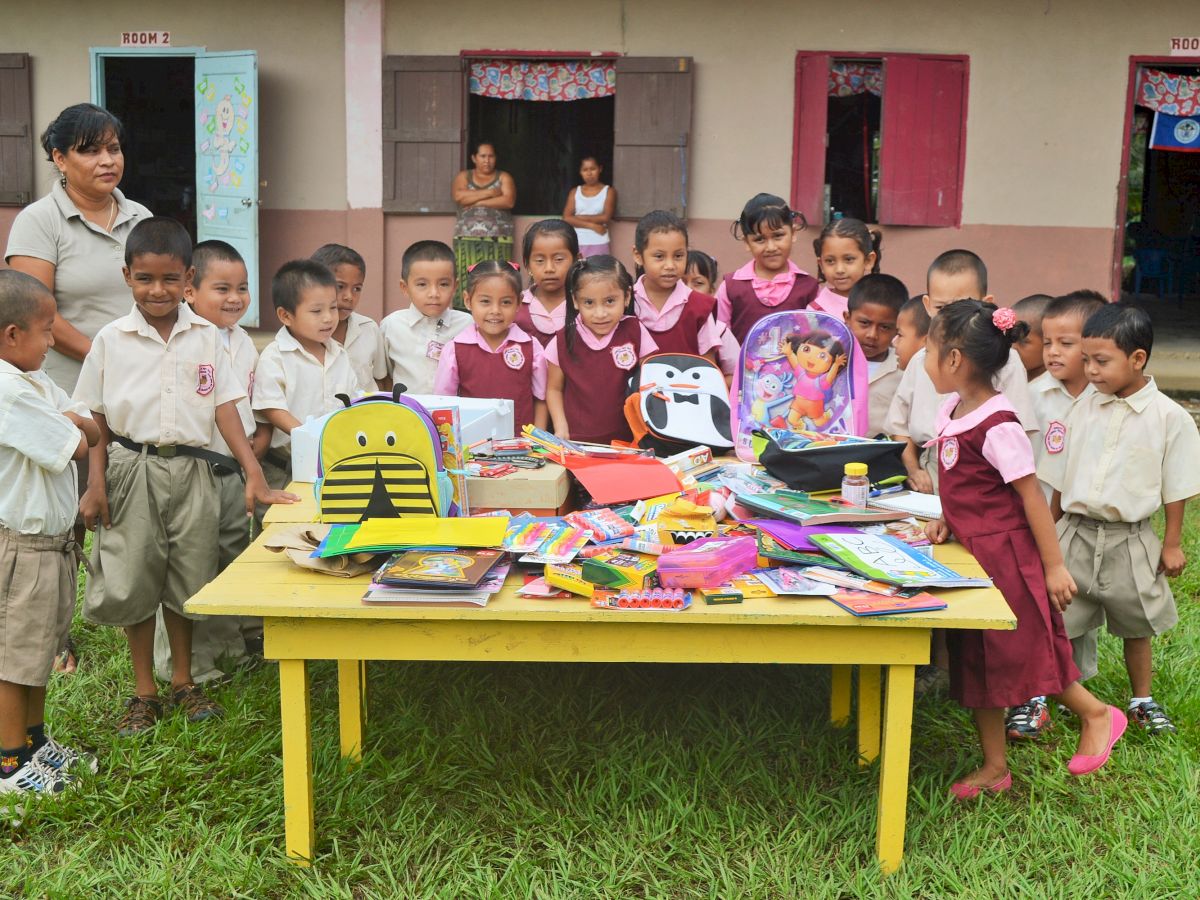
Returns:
(493, 358)
(770, 282)
(847, 251)
(994, 506)
(680, 318)
(550, 249)
(590, 359)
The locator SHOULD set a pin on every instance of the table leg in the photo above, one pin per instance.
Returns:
(296, 721)
(868, 713)
(893, 774)
(352, 701)
(839, 695)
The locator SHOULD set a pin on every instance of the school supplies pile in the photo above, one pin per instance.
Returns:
(884, 558)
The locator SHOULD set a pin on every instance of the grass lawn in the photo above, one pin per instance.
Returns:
(605, 780)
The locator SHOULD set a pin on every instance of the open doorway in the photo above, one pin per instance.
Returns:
(854, 113)
(154, 97)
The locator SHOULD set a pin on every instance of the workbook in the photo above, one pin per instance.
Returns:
(433, 570)
(863, 603)
(796, 506)
(885, 558)
(428, 595)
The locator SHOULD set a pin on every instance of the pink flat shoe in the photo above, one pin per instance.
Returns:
(961, 791)
(1082, 765)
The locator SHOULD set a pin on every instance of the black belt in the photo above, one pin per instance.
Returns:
(222, 464)
(278, 459)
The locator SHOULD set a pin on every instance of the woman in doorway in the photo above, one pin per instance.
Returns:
(73, 241)
(484, 227)
(590, 209)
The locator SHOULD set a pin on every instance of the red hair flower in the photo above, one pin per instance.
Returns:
(1004, 319)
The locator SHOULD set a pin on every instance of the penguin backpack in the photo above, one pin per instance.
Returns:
(381, 458)
(677, 401)
(800, 370)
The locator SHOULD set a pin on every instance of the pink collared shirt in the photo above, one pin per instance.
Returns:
(828, 302)
(1006, 446)
(655, 319)
(547, 321)
(770, 292)
(446, 381)
(646, 344)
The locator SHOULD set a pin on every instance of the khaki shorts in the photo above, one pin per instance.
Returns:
(37, 599)
(162, 545)
(1115, 567)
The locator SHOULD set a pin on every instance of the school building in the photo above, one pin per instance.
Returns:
(1011, 129)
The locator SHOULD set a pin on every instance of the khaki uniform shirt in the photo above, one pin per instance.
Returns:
(414, 345)
(883, 381)
(1052, 403)
(289, 377)
(368, 356)
(243, 357)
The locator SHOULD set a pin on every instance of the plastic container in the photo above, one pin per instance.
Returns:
(707, 562)
(856, 486)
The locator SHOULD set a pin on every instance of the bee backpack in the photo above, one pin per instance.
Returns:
(381, 458)
(677, 401)
(800, 370)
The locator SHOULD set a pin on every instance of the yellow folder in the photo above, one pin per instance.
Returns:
(485, 531)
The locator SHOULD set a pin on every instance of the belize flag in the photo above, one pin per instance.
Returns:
(1178, 133)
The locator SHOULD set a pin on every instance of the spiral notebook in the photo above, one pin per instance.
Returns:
(923, 506)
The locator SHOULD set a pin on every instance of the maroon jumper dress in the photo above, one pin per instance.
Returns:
(526, 324)
(990, 669)
(500, 376)
(745, 308)
(684, 335)
(594, 385)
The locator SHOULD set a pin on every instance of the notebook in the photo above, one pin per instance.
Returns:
(803, 509)
(862, 603)
(913, 503)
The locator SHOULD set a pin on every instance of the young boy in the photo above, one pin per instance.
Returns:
(219, 291)
(157, 381)
(912, 327)
(872, 309)
(955, 275)
(359, 335)
(1030, 311)
(1054, 394)
(415, 336)
(1127, 450)
(303, 370)
(41, 432)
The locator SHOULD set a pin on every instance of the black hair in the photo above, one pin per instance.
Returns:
(601, 266)
(704, 264)
(657, 221)
(208, 252)
(425, 251)
(967, 326)
(161, 236)
(955, 262)
(1032, 309)
(294, 278)
(1126, 326)
(915, 307)
(492, 268)
(594, 158)
(482, 143)
(882, 290)
(549, 228)
(21, 296)
(867, 241)
(334, 255)
(80, 127)
(819, 338)
(1077, 303)
(769, 210)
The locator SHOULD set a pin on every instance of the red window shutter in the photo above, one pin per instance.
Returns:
(923, 140)
(16, 127)
(810, 137)
(652, 123)
(423, 132)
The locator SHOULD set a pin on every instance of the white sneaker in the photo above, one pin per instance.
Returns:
(35, 778)
(63, 758)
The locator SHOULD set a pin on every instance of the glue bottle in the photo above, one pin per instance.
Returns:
(856, 486)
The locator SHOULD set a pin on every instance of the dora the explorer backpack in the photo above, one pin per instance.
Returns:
(677, 401)
(800, 370)
(381, 458)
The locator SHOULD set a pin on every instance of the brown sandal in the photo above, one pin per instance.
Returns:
(141, 715)
(196, 704)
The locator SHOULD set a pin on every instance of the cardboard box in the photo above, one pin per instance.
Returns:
(543, 492)
(619, 569)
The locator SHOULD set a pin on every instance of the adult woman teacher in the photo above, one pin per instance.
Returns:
(73, 239)
(484, 227)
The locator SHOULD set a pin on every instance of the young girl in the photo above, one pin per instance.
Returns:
(770, 282)
(550, 249)
(846, 251)
(993, 505)
(590, 209)
(589, 360)
(702, 276)
(680, 318)
(493, 357)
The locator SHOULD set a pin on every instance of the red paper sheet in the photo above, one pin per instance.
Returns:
(622, 480)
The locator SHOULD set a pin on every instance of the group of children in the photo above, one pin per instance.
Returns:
(185, 426)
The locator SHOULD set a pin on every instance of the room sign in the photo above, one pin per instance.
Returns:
(1185, 46)
(145, 39)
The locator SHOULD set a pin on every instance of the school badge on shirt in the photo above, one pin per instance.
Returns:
(624, 356)
(206, 379)
(949, 453)
(1056, 437)
(514, 356)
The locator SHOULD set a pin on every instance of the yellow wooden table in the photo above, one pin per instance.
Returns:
(309, 616)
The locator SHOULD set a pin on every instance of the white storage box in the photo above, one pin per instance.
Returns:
(306, 446)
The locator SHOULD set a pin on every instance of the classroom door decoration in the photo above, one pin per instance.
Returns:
(381, 458)
(678, 401)
(797, 373)
(226, 101)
